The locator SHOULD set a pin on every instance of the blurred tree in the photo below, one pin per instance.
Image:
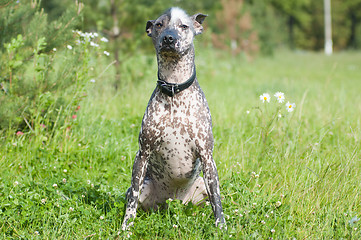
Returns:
(297, 15)
(306, 23)
(269, 24)
(341, 24)
(55, 8)
(309, 34)
(354, 13)
(235, 31)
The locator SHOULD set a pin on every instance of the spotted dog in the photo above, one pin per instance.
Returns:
(175, 140)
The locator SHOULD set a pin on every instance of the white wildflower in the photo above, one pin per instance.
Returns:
(280, 97)
(290, 106)
(93, 44)
(69, 47)
(103, 39)
(265, 97)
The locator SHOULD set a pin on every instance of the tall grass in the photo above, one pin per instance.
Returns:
(302, 181)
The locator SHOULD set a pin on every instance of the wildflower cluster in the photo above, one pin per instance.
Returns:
(280, 97)
(268, 118)
(92, 39)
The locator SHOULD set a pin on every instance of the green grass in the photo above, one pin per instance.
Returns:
(306, 164)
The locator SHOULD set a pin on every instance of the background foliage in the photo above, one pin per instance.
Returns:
(29, 31)
(75, 77)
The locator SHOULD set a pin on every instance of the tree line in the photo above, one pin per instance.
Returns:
(238, 25)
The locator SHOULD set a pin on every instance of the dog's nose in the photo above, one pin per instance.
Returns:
(168, 39)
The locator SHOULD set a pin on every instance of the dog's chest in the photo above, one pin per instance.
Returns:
(174, 128)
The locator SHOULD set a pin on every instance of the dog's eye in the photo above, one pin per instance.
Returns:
(159, 25)
(184, 27)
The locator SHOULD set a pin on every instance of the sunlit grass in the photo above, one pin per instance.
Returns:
(295, 176)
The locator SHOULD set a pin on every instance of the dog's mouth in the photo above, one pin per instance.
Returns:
(169, 51)
(167, 48)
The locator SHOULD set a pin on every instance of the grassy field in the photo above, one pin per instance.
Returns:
(283, 175)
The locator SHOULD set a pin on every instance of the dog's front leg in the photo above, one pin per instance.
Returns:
(139, 168)
(211, 181)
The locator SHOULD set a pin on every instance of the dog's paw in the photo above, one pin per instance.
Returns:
(221, 224)
(126, 226)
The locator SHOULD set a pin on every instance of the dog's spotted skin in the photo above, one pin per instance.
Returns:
(175, 140)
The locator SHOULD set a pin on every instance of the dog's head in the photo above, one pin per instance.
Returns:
(172, 33)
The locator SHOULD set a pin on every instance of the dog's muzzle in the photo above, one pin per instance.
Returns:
(168, 41)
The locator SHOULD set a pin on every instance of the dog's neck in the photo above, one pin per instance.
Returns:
(175, 68)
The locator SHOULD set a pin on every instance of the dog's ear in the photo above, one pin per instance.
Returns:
(197, 22)
(149, 27)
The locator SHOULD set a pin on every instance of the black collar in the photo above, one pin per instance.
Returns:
(173, 88)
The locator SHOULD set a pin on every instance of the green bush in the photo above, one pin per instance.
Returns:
(46, 66)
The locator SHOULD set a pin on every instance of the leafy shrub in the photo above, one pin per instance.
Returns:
(45, 67)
